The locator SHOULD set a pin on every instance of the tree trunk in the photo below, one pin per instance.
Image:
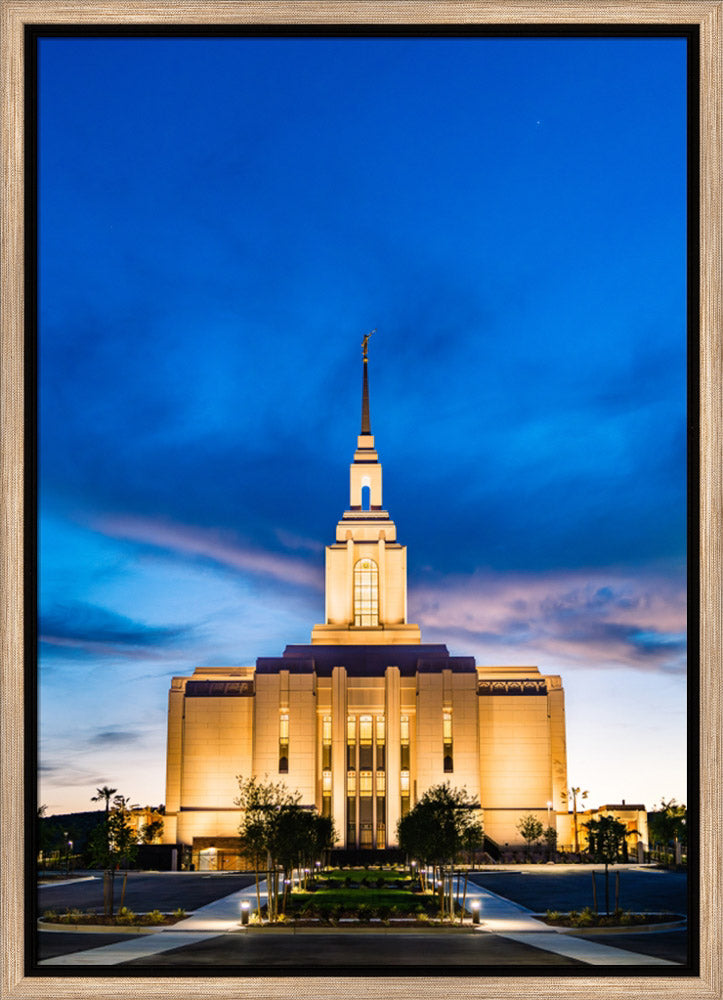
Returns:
(123, 890)
(464, 898)
(108, 893)
(607, 890)
(258, 892)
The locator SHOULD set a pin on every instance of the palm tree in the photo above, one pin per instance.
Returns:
(104, 793)
(573, 793)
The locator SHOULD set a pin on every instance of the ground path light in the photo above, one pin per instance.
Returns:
(474, 906)
(245, 907)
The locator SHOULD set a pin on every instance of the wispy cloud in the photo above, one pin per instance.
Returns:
(595, 619)
(114, 737)
(78, 628)
(217, 546)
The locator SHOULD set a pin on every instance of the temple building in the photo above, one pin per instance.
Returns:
(366, 717)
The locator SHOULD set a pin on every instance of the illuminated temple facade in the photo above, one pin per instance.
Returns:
(366, 717)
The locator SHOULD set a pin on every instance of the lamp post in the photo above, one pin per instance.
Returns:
(549, 807)
(474, 906)
(67, 857)
(245, 908)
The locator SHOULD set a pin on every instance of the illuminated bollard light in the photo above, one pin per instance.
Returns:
(245, 908)
(474, 906)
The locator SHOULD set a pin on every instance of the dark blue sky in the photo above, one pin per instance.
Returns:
(221, 220)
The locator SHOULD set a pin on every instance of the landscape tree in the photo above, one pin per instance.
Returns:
(668, 824)
(113, 842)
(606, 836)
(280, 834)
(150, 831)
(531, 829)
(550, 836)
(105, 794)
(443, 824)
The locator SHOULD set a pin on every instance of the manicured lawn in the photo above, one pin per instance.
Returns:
(362, 902)
(371, 874)
(357, 897)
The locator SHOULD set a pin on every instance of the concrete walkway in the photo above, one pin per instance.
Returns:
(510, 920)
(219, 917)
(498, 916)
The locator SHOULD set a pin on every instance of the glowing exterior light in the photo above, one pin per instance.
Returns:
(474, 906)
(245, 908)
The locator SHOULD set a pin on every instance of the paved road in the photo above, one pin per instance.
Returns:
(164, 891)
(672, 945)
(52, 943)
(539, 889)
(392, 950)
(347, 951)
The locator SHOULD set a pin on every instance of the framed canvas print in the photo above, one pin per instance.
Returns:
(361, 521)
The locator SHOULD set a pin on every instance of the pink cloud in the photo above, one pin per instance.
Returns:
(596, 618)
(210, 544)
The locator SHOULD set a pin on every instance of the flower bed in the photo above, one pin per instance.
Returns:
(619, 918)
(124, 918)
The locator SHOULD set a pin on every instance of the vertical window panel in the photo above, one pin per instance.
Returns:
(447, 749)
(404, 742)
(366, 593)
(284, 743)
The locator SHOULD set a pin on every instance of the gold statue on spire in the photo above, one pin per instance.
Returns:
(366, 341)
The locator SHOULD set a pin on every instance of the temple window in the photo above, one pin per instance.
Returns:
(366, 593)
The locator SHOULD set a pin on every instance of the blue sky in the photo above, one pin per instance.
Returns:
(221, 220)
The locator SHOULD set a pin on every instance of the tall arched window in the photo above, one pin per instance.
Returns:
(366, 593)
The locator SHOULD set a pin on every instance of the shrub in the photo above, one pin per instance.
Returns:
(126, 916)
(380, 882)
(155, 917)
(179, 913)
(586, 918)
(50, 915)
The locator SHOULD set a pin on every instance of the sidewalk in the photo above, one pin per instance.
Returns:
(510, 920)
(212, 920)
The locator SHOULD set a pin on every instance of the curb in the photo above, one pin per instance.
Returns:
(632, 929)
(48, 925)
(358, 929)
